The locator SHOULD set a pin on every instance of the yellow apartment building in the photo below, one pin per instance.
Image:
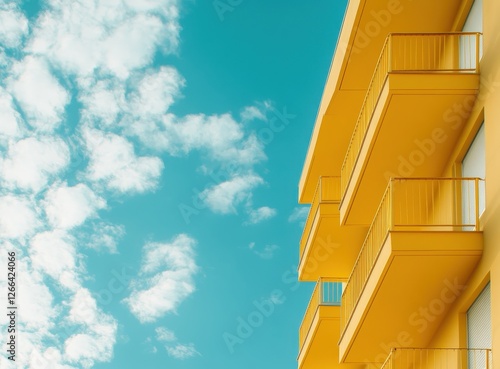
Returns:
(403, 177)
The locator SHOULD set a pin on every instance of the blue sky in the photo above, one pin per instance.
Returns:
(150, 152)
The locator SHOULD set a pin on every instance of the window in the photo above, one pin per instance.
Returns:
(479, 329)
(473, 23)
(474, 165)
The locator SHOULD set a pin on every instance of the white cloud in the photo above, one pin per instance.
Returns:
(111, 36)
(68, 207)
(103, 102)
(265, 253)
(38, 312)
(165, 280)
(132, 44)
(18, 218)
(96, 344)
(31, 162)
(299, 214)
(10, 118)
(13, 26)
(181, 351)
(53, 252)
(259, 215)
(114, 163)
(165, 335)
(105, 236)
(156, 92)
(250, 113)
(39, 93)
(224, 197)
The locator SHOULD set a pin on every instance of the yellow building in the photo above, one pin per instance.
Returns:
(403, 178)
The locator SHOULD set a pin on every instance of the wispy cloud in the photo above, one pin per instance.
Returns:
(267, 252)
(299, 215)
(250, 113)
(261, 214)
(165, 335)
(181, 351)
(166, 278)
(174, 348)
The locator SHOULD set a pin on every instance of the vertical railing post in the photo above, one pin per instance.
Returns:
(320, 291)
(478, 39)
(389, 53)
(391, 205)
(476, 200)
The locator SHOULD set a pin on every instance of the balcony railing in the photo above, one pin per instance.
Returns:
(413, 204)
(440, 358)
(411, 53)
(327, 191)
(326, 293)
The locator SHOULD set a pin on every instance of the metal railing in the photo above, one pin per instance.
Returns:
(326, 293)
(438, 358)
(411, 53)
(327, 191)
(417, 204)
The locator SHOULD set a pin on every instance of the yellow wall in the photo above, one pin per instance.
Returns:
(452, 332)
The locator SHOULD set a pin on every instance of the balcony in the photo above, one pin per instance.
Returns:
(326, 249)
(438, 358)
(364, 30)
(420, 249)
(420, 96)
(320, 330)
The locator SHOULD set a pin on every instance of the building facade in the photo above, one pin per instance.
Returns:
(403, 234)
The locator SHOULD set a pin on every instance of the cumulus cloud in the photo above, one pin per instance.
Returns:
(11, 120)
(103, 102)
(260, 214)
(68, 207)
(39, 93)
(31, 162)
(224, 197)
(38, 311)
(105, 237)
(54, 253)
(96, 344)
(115, 37)
(114, 163)
(165, 280)
(18, 217)
(13, 26)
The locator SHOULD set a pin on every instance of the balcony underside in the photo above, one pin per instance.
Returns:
(365, 28)
(330, 249)
(414, 282)
(431, 110)
(320, 349)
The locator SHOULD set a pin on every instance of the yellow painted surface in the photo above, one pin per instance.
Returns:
(414, 282)
(366, 26)
(406, 299)
(319, 349)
